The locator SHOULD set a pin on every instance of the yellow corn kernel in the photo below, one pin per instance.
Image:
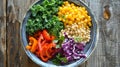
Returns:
(89, 23)
(72, 19)
(60, 19)
(70, 16)
(85, 20)
(70, 22)
(59, 13)
(60, 8)
(72, 4)
(83, 8)
(77, 19)
(66, 2)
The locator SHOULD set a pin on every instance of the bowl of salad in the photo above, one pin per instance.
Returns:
(59, 33)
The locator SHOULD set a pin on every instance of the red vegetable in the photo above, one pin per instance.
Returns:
(42, 46)
(47, 36)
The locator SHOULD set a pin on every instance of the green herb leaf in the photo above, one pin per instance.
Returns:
(63, 59)
(59, 58)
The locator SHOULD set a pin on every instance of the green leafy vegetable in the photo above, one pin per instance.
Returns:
(59, 59)
(44, 16)
(60, 40)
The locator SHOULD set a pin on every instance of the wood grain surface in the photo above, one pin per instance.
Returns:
(3, 33)
(106, 54)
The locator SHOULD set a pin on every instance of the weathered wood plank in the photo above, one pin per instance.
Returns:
(3, 33)
(107, 51)
(16, 10)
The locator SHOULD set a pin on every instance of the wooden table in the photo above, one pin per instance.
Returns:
(106, 54)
